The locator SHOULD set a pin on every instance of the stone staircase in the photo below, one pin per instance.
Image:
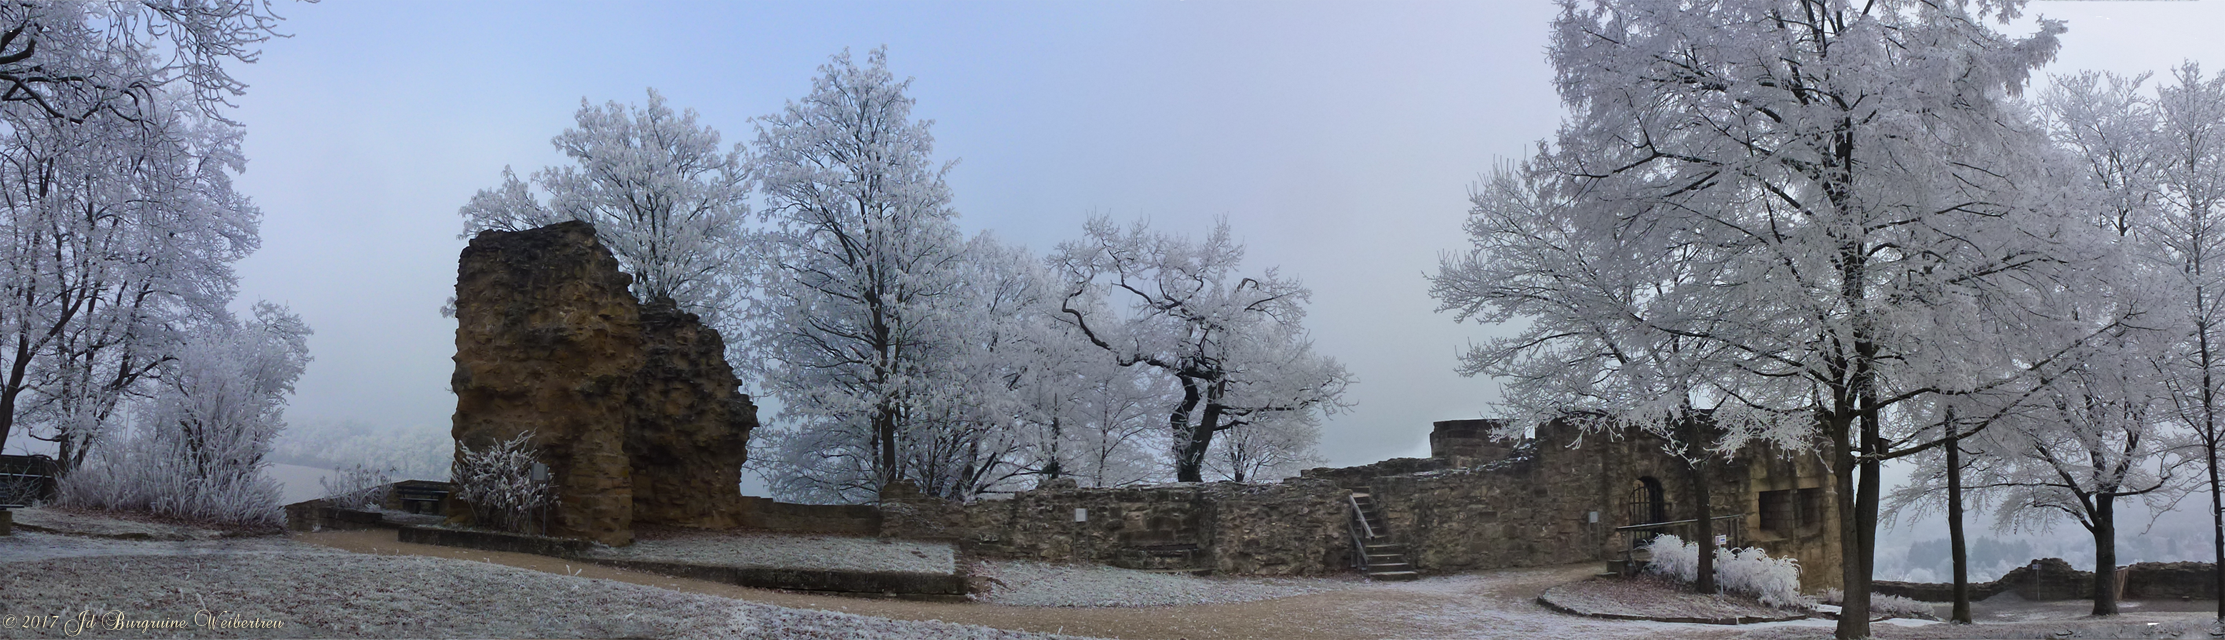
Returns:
(1378, 556)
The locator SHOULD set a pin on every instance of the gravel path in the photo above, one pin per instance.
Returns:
(1040, 584)
(792, 552)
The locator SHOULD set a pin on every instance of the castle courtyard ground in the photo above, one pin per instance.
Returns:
(366, 584)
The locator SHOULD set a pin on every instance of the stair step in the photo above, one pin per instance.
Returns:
(1394, 576)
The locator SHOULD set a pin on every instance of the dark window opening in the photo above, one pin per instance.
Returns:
(1810, 508)
(1778, 513)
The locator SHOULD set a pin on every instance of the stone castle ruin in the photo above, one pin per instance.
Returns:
(632, 406)
(1556, 497)
(635, 412)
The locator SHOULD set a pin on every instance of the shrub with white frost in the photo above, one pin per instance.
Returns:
(1774, 581)
(198, 447)
(499, 484)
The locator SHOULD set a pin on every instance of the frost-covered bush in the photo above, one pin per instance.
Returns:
(1774, 581)
(356, 486)
(499, 484)
(196, 449)
(1675, 558)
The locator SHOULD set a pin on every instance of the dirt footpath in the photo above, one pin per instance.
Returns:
(1496, 605)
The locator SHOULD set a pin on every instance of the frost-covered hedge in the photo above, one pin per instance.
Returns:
(1774, 581)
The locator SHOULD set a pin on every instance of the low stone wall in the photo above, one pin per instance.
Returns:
(1297, 527)
(1936, 592)
(318, 515)
(849, 520)
(2056, 579)
(2168, 580)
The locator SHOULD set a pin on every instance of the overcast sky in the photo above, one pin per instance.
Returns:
(1339, 139)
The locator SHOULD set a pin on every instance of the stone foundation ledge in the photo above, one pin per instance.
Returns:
(891, 584)
(494, 541)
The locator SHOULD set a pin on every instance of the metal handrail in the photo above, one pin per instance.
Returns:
(1659, 525)
(1360, 514)
(1359, 545)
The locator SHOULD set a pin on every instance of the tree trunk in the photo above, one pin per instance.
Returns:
(12, 388)
(1954, 526)
(1854, 613)
(884, 440)
(2209, 446)
(2217, 523)
(1706, 512)
(1186, 466)
(1191, 466)
(2105, 554)
(1704, 509)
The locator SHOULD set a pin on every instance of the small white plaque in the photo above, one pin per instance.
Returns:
(1081, 514)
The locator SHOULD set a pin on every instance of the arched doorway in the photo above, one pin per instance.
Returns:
(1647, 505)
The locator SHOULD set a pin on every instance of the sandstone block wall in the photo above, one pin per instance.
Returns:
(547, 341)
(633, 407)
(1556, 499)
(1294, 528)
(688, 432)
(2056, 579)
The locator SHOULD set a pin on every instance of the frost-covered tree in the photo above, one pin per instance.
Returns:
(670, 204)
(980, 431)
(2098, 435)
(2158, 164)
(864, 255)
(74, 59)
(1870, 221)
(200, 443)
(1112, 432)
(1594, 294)
(1272, 449)
(117, 233)
(1234, 344)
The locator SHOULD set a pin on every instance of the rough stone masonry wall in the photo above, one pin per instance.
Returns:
(2056, 579)
(633, 408)
(688, 432)
(1297, 527)
(1556, 499)
(547, 341)
(1535, 508)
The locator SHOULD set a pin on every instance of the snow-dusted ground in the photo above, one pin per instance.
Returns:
(315, 592)
(792, 552)
(1041, 584)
